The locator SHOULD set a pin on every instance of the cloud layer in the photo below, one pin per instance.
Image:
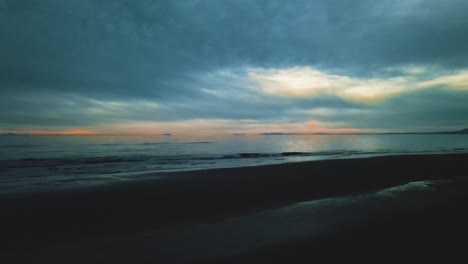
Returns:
(307, 82)
(98, 65)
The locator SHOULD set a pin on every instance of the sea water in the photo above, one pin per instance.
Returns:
(44, 162)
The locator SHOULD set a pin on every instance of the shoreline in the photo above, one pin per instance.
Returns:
(36, 220)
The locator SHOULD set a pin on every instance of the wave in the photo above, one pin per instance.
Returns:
(109, 144)
(135, 163)
(154, 163)
(131, 164)
(295, 154)
(17, 146)
(188, 157)
(457, 149)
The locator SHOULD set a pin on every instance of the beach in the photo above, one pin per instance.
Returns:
(262, 214)
(234, 131)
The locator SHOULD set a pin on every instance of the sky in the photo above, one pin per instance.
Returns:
(233, 66)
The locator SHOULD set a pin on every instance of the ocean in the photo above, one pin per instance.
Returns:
(49, 162)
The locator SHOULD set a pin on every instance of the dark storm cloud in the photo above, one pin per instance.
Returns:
(70, 63)
(428, 110)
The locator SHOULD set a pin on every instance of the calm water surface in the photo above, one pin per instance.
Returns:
(63, 161)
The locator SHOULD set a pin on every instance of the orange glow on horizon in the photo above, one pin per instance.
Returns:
(204, 127)
(227, 127)
(64, 133)
(343, 131)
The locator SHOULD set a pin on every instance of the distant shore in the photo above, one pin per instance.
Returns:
(34, 221)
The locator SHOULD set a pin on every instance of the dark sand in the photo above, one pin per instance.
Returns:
(435, 230)
(34, 222)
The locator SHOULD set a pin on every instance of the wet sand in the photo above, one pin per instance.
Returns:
(418, 227)
(35, 222)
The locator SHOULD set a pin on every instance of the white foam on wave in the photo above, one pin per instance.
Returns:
(416, 186)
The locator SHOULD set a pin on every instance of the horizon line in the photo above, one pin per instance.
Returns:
(89, 133)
